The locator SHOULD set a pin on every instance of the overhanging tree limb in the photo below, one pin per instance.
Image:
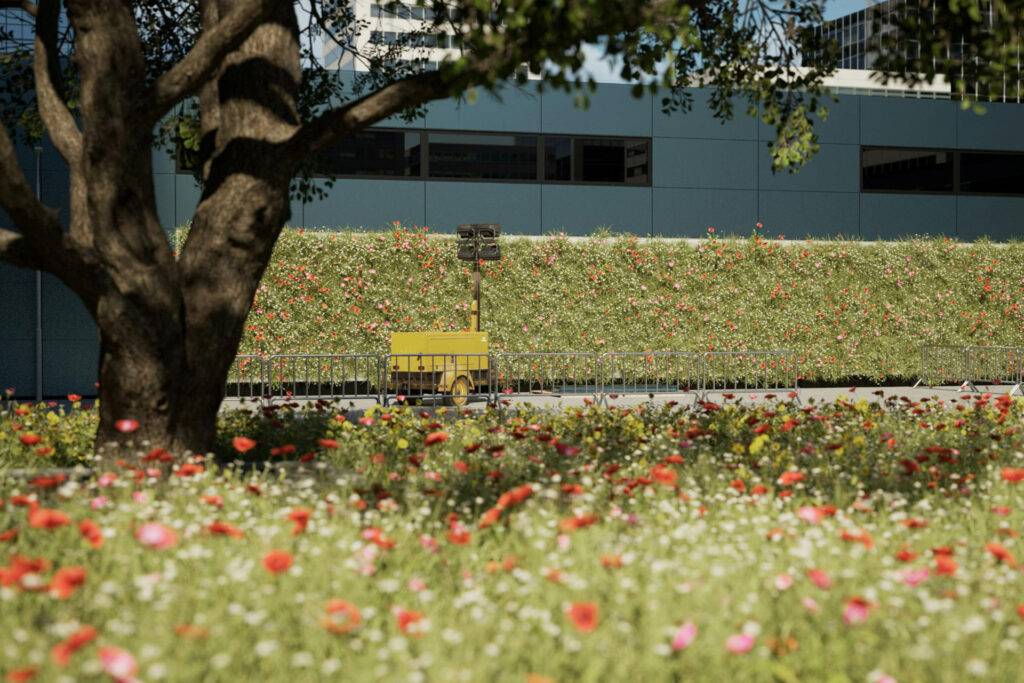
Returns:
(16, 250)
(207, 55)
(53, 111)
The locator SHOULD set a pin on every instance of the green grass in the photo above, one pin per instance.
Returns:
(710, 513)
(850, 310)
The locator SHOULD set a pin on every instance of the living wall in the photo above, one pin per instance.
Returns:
(853, 311)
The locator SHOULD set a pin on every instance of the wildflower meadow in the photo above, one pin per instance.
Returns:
(848, 541)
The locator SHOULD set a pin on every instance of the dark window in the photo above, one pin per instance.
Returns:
(374, 153)
(991, 173)
(375, 11)
(608, 160)
(557, 158)
(466, 155)
(906, 170)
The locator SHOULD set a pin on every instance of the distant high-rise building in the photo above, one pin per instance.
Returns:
(390, 23)
(858, 36)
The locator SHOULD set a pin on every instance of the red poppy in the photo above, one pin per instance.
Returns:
(277, 561)
(945, 565)
(91, 532)
(663, 475)
(219, 528)
(328, 443)
(243, 444)
(22, 675)
(45, 518)
(189, 469)
(409, 621)
(613, 561)
(1013, 474)
(286, 449)
(9, 535)
(65, 580)
(435, 438)
(1000, 552)
(126, 426)
(862, 537)
(44, 451)
(458, 534)
(490, 518)
(819, 578)
(578, 522)
(377, 537)
(461, 466)
(790, 477)
(62, 652)
(342, 616)
(74, 398)
(214, 500)
(300, 517)
(906, 555)
(158, 455)
(583, 615)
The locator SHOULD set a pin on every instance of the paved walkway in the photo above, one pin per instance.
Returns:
(817, 395)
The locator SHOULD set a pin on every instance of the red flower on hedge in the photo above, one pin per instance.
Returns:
(277, 561)
(1001, 553)
(30, 439)
(583, 615)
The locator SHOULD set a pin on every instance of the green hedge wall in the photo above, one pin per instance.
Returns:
(851, 310)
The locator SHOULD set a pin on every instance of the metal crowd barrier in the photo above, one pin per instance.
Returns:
(994, 366)
(324, 376)
(459, 378)
(765, 371)
(943, 365)
(439, 377)
(246, 377)
(662, 372)
(547, 374)
(970, 367)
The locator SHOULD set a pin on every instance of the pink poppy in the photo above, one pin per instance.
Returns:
(119, 664)
(912, 577)
(856, 611)
(739, 643)
(684, 636)
(156, 536)
(783, 582)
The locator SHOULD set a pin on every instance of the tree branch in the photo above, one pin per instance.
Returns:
(333, 125)
(206, 56)
(41, 243)
(15, 249)
(56, 116)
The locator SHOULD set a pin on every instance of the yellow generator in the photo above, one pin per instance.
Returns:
(452, 364)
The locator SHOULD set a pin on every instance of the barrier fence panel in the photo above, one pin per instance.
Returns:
(994, 366)
(663, 372)
(246, 377)
(547, 373)
(772, 370)
(943, 366)
(450, 378)
(324, 376)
